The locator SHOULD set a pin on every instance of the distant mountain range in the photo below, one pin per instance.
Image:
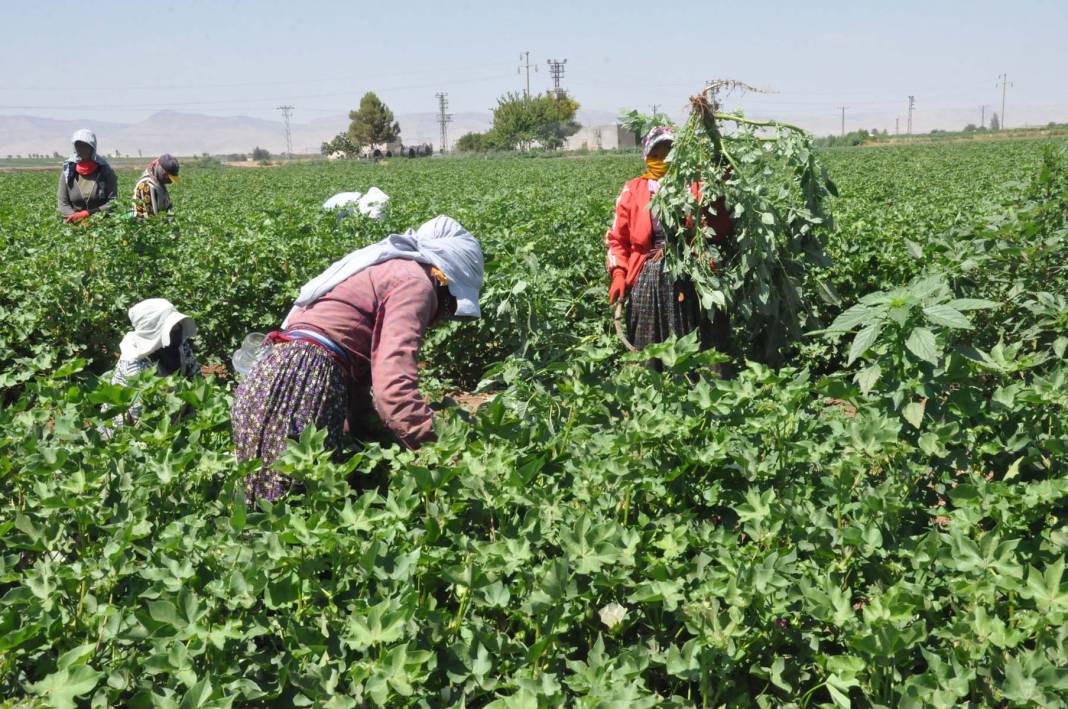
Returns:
(193, 133)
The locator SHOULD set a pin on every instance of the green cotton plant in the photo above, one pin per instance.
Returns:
(775, 191)
(596, 533)
(897, 331)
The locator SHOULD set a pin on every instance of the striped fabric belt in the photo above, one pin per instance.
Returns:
(322, 340)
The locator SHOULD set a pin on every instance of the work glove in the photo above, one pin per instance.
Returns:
(78, 216)
(618, 287)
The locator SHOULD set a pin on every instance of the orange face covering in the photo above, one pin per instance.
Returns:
(654, 169)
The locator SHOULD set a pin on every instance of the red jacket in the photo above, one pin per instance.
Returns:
(630, 239)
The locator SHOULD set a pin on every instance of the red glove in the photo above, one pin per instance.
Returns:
(618, 287)
(78, 216)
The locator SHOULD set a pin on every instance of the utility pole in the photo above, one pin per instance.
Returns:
(655, 108)
(982, 116)
(524, 58)
(912, 105)
(843, 108)
(1005, 84)
(897, 126)
(289, 140)
(443, 120)
(556, 69)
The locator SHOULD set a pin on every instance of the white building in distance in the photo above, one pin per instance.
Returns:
(605, 137)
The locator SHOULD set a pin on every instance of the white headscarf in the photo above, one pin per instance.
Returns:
(152, 322)
(440, 242)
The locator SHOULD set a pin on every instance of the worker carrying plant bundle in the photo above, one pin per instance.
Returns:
(724, 233)
(87, 184)
(659, 305)
(354, 334)
(151, 196)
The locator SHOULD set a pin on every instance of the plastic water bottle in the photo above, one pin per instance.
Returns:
(252, 349)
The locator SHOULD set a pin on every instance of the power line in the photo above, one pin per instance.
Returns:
(443, 120)
(556, 69)
(526, 66)
(289, 139)
(912, 105)
(1005, 84)
(304, 81)
(233, 102)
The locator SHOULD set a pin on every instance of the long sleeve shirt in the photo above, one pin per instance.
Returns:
(150, 197)
(98, 192)
(379, 317)
(127, 369)
(629, 241)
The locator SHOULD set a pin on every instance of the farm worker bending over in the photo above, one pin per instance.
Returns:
(658, 306)
(160, 340)
(150, 193)
(87, 184)
(356, 329)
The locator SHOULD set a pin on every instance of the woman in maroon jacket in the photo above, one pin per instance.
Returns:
(352, 341)
(658, 306)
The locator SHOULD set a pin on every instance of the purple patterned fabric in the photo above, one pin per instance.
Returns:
(657, 135)
(295, 384)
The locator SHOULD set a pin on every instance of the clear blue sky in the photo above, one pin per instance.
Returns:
(122, 61)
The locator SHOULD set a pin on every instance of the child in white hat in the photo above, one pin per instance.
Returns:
(160, 339)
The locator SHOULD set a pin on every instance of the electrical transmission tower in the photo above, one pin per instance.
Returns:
(982, 116)
(524, 58)
(556, 69)
(842, 109)
(912, 105)
(443, 120)
(289, 139)
(1004, 82)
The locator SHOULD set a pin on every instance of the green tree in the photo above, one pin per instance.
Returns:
(259, 153)
(995, 124)
(372, 122)
(476, 142)
(519, 121)
(341, 142)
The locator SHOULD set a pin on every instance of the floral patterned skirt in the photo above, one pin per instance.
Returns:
(660, 306)
(293, 385)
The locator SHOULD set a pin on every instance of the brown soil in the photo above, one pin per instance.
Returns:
(844, 406)
(469, 401)
(253, 163)
(214, 370)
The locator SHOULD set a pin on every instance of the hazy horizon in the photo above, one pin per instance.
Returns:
(246, 58)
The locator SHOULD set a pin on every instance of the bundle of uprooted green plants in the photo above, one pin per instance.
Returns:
(766, 175)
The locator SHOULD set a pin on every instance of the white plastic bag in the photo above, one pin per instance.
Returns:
(371, 204)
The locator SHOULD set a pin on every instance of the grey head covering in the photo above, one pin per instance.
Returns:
(86, 136)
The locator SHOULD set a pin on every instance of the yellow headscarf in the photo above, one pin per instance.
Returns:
(654, 169)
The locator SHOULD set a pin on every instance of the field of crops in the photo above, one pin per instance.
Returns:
(880, 522)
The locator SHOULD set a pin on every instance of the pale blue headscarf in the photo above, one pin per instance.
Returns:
(440, 242)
